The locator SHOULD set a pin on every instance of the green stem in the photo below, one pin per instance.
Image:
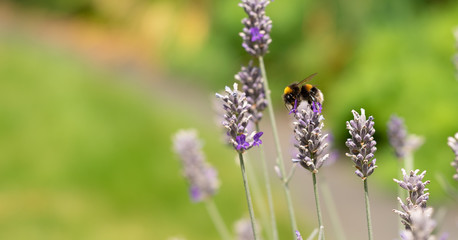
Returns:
(269, 191)
(317, 203)
(248, 196)
(331, 207)
(217, 220)
(280, 162)
(368, 211)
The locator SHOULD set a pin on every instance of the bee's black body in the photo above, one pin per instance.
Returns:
(296, 92)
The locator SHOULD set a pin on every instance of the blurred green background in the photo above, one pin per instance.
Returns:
(91, 92)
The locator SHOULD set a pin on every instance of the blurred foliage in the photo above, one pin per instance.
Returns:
(82, 155)
(75, 7)
(85, 154)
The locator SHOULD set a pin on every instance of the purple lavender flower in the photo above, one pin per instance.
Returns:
(310, 140)
(453, 143)
(417, 196)
(195, 193)
(257, 139)
(241, 144)
(421, 226)
(253, 87)
(362, 144)
(298, 235)
(397, 135)
(202, 178)
(236, 119)
(256, 33)
(402, 143)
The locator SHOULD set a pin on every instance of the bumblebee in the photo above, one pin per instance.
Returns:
(295, 93)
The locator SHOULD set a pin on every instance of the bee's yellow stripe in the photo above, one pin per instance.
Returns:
(308, 87)
(287, 90)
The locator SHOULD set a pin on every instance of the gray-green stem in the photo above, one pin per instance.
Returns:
(248, 196)
(217, 219)
(401, 193)
(269, 190)
(368, 210)
(408, 162)
(317, 203)
(280, 162)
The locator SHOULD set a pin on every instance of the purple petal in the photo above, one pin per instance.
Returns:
(256, 140)
(294, 109)
(257, 136)
(195, 194)
(255, 34)
(241, 143)
(240, 139)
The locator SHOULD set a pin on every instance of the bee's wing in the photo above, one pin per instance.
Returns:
(307, 79)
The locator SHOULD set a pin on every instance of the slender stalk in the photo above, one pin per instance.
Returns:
(401, 193)
(317, 202)
(217, 220)
(269, 190)
(368, 211)
(448, 189)
(280, 162)
(248, 196)
(331, 206)
(408, 162)
(313, 234)
(291, 173)
(321, 233)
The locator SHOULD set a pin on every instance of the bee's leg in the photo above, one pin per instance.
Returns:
(316, 107)
(311, 99)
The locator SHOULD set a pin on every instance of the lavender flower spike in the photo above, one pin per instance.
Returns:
(416, 188)
(417, 196)
(202, 178)
(311, 141)
(256, 33)
(362, 144)
(253, 87)
(421, 226)
(453, 143)
(402, 143)
(236, 119)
